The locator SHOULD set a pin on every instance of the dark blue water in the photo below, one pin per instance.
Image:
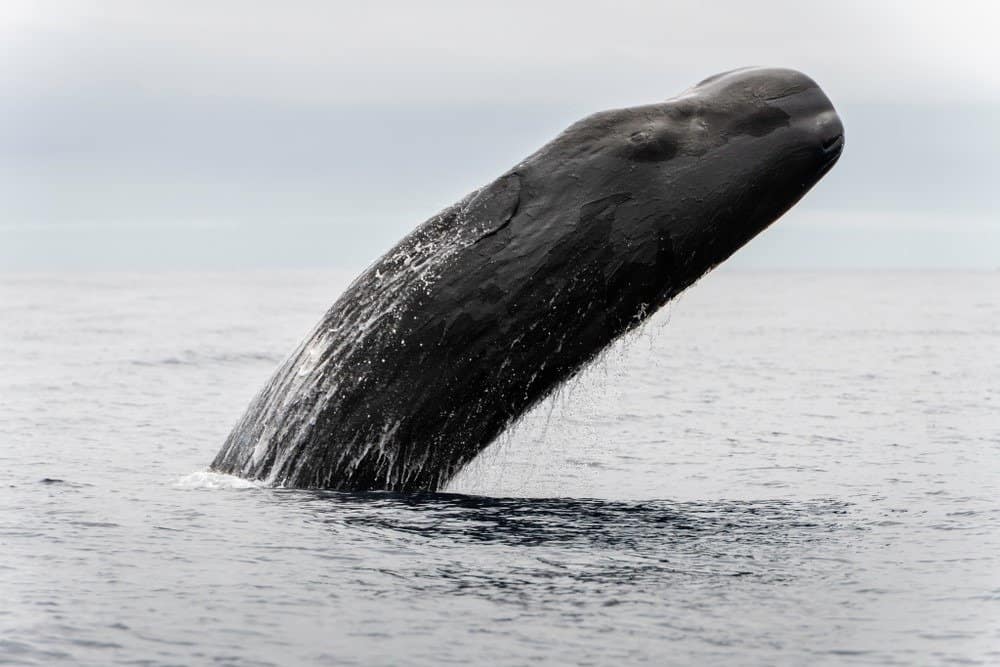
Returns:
(786, 468)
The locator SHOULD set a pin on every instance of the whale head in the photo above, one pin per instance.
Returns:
(760, 139)
(702, 172)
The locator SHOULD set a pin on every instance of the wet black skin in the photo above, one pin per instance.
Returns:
(525, 281)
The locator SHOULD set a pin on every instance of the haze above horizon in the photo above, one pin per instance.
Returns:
(180, 135)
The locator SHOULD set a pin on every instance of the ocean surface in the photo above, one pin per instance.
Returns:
(780, 469)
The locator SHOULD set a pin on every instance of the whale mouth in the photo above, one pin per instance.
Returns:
(834, 144)
(832, 148)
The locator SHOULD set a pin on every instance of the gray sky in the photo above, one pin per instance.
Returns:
(307, 134)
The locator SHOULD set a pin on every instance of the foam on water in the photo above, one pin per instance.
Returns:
(207, 479)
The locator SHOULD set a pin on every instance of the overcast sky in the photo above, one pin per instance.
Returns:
(315, 134)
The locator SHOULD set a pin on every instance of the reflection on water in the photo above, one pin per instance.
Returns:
(573, 522)
(566, 546)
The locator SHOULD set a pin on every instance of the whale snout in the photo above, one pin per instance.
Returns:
(809, 108)
(782, 95)
(830, 133)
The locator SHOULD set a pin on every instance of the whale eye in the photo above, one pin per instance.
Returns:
(647, 147)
